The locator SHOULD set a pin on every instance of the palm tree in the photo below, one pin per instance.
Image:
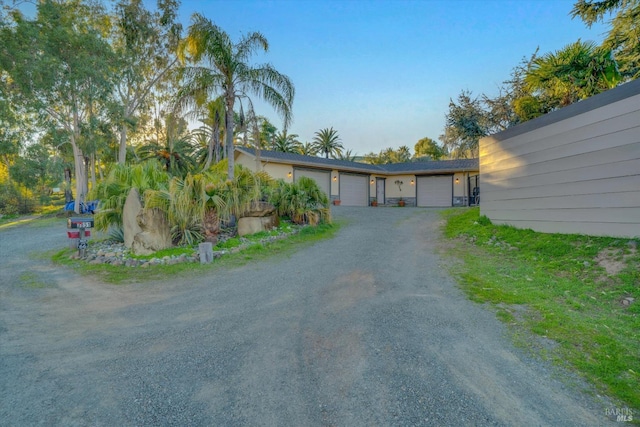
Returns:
(327, 141)
(223, 68)
(285, 142)
(347, 155)
(575, 72)
(307, 149)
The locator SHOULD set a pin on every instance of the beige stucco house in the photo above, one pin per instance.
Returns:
(424, 184)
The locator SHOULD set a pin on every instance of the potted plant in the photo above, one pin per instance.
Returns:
(401, 202)
(374, 203)
(336, 202)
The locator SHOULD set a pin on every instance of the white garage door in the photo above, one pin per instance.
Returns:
(435, 191)
(354, 190)
(322, 178)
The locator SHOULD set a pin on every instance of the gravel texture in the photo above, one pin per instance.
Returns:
(367, 328)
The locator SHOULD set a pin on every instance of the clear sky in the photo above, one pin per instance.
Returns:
(382, 72)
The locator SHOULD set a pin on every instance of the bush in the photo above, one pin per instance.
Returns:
(303, 201)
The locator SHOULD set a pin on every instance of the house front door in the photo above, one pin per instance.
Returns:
(380, 191)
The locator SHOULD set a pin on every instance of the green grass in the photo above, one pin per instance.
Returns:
(255, 252)
(552, 286)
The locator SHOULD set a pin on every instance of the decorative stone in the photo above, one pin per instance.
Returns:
(132, 207)
(260, 209)
(252, 225)
(155, 235)
(206, 252)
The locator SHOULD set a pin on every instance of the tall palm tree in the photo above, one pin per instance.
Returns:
(327, 141)
(307, 149)
(347, 155)
(222, 68)
(575, 72)
(285, 142)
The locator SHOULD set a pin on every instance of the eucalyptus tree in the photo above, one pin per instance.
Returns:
(327, 141)
(623, 37)
(59, 64)
(575, 72)
(145, 43)
(222, 67)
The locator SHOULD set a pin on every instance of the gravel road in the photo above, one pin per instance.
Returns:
(364, 329)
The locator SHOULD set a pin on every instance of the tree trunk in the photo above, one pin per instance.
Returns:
(122, 152)
(92, 165)
(81, 176)
(210, 146)
(229, 135)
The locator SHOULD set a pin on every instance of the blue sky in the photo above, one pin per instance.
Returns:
(382, 72)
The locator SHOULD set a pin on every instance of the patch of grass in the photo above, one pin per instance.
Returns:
(567, 294)
(256, 252)
(176, 251)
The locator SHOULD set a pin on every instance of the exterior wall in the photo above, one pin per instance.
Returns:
(393, 193)
(335, 185)
(576, 170)
(460, 190)
(279, 171)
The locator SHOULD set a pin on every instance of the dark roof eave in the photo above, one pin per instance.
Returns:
(328, 164)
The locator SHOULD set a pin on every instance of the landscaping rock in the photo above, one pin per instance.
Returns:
(155, 235)
(252, 225)
(260, 209)
(132, 207)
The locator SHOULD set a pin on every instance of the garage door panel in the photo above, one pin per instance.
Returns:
(322, 178)
(354, 190)
(435, 191)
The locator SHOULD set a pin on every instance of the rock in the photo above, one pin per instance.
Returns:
(155, 235)
(252, 225)
(260, 209)
(132, 207)
(205, 250)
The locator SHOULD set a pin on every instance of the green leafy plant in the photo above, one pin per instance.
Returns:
(303, 201)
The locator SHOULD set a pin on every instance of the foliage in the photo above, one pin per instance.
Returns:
(114, 189)
(576, 72)
(59, 68)
(429, 149)
(221, 67)
(346, 155)
(466, 123)
(622, 38)
(184, 203)
(327, 141)
(171, 146)
(307, 149)
(552, 286)
(303, 202)
(285, 142)
(389, 155)
(144, 43)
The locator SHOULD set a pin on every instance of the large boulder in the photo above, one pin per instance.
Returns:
(155, 234)
(252, 225)
(260, 209)
(132, 207)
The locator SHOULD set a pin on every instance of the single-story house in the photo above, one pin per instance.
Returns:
(442, 183)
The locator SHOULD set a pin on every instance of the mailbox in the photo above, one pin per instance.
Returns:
(80, 222)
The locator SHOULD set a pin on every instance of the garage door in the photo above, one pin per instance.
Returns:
(354, 190)
(435, 191)
(322, 178)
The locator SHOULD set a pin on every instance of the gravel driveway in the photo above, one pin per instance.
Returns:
(361, 330)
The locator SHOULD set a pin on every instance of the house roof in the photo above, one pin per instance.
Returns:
(414, 168)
